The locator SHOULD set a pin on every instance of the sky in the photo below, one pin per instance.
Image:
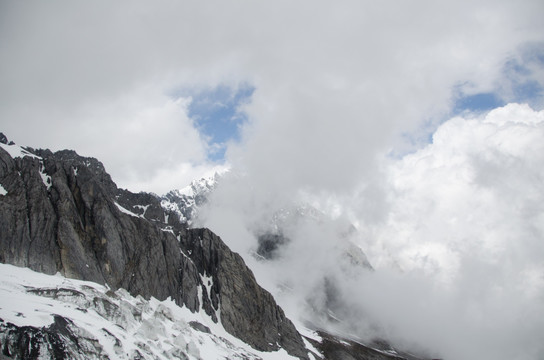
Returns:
(407, 118)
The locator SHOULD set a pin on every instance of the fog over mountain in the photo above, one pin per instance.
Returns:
(410, 130)
(454, 233)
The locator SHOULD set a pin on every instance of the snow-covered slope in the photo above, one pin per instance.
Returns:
(91, 321)
(53, 317)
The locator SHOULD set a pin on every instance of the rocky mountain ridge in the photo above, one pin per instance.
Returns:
(63, 213)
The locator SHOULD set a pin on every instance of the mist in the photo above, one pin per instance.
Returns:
(454, 234)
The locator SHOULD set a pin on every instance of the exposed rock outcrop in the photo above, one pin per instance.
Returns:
(255, 322)
(58, 341)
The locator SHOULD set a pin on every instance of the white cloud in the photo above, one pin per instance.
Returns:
(144, 138)
(335, 83)
(150, 136)
(466, 226)
(461, 218)
(477, 177)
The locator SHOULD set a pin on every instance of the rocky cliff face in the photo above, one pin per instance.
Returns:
(60, 212)
(231, 287)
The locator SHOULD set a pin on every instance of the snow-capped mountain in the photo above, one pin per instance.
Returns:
(62, 213)
(119, 275)
(277, 237)
(186, 201)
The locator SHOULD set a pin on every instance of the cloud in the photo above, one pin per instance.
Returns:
(145, 139)
(524, 72)
(343, 80)
(476, 175)
(217, 116)
(465, 225)
(457, 248)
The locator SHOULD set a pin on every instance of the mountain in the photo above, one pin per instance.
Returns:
(62, 213)
(119, 275)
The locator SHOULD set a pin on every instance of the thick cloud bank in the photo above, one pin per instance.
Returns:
(457, 247)
(466, 226)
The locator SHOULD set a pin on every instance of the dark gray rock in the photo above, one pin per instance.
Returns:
(63, 213)
(143, 204)
(200, 327)
(258, 321)
(59, 341)
(28, 223)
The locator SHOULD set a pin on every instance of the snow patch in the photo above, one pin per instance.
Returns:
(45, 178)
(169, 229)
(128, 212)
(142, 207)
(207, 281)
(173, 207)
(3, 191)
(310, 347)
(16, 151)
(187, 191)
(186, 201)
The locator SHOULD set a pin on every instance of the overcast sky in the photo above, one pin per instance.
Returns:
(346, 79)
(394, 114)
